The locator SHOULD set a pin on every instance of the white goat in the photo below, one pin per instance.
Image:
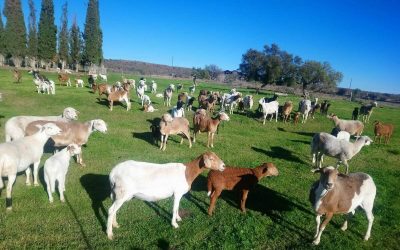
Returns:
(79, 83)
(338, 193)
(103, 77)
(15, 126)
(175, 112)
(326, 144)
(16, 156)
(153, 182)
(146, 100)
(304, 108)
(56, 168)
(153, 87)
(270, 108)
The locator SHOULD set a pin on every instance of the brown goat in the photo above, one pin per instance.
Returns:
(103, 88)
(119, 96)
(204, 123)
(286, 110)
(296, 118)
(17, 75)
(385, 130)
(240, 179)
(64, 79)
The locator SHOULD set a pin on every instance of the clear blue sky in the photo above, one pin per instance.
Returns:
(359, 38)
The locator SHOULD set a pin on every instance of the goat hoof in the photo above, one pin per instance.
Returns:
(83, 164)
(175, 225)
(110, 236)
(36, 185)
(366, 237)
(116, 225)
(9, 209)
(315, 242)
(62, 200)
(28, 184)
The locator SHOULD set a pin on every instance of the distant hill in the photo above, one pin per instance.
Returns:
(144, 68)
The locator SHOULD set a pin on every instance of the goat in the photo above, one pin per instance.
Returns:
(204, 123)
(239, 179)
(15, 126)
(56, 168)
(337, 193)
(178, 110)
(153, 87)
(102, 89)
(326, 144)
(286, 110)
(353, 127)
(366, 111)
(103, 77)
(304, 108)
(168, 96)
(120, 95)
(16, 156)
(325, 107)
(173, 126)
(149, 108)
(64, 79)
(296, 118)
(385, 130)
(340, 134)
(17, 75)
(72, 132)
(153, 182)
(79, 83)
(146, 100)
(189, 102)
(192, 89)
(269, 108)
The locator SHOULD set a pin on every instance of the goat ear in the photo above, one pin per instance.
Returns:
(206, 161)
(265, 169)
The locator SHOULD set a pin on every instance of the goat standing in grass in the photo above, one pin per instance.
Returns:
(338, 193)
(152, 182)
(203, 123)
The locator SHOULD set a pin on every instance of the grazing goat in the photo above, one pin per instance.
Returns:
(238, 179)
(326, 144)
(270, 108)
(152, 182)
(296, 118)
(173, 126)
(56, 168)
(72, 132)
(64, 79)
(304, 108)
(120, 95)
(15, 126)
(366, 111)
(16, 156)
(286, 110)
(168, 96)
(385, 130)
(204, 123)
(353, 127)
(336, 193)
(354, 115)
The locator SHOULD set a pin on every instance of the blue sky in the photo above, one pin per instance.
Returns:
(359, 38)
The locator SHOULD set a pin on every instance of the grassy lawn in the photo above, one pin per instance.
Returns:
(278, 216)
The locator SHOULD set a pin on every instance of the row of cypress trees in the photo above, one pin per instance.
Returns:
(46, 45)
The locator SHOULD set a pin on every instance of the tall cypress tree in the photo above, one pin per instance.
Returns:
(15, 31)
(47, 35)
(75, 44)
(32, 37)
(2, 42)
(63, 36)
(93, 35)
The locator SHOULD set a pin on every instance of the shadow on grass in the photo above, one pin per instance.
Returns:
(145, 136)
(309, 134)
(97, 186)
(163, 244)
(301, 141)
(281, 153)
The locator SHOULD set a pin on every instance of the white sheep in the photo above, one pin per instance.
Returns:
(152, 182)
(326, 144)
(56, 168)
(16, 156)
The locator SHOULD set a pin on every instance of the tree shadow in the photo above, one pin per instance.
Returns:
(281, 153)
(97, 186)
(309, 134)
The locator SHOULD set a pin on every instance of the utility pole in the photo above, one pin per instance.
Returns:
(351, 92)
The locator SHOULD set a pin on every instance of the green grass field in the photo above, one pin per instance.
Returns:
(278, 216)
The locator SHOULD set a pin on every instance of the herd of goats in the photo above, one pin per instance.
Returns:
(333, 193)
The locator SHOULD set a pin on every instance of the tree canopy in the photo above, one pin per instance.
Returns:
(32, 36)
(47, 35)
(15, 31)
(63, 35)
(75, 44)
(2, 42)
(278, 67)
(93, 35)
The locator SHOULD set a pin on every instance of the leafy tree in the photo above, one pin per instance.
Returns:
(252, 65)
(47, 35)
(93, 35)
(63, 36)
(15, 31)
(75, 44)
(2, 37)
(32, 37)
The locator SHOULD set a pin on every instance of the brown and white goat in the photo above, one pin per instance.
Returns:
(239, 179)
(382, 129)
(203, 123)
(337, 193)
(103, 88)
(173, 126)
(64, 79)
(119, 96)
